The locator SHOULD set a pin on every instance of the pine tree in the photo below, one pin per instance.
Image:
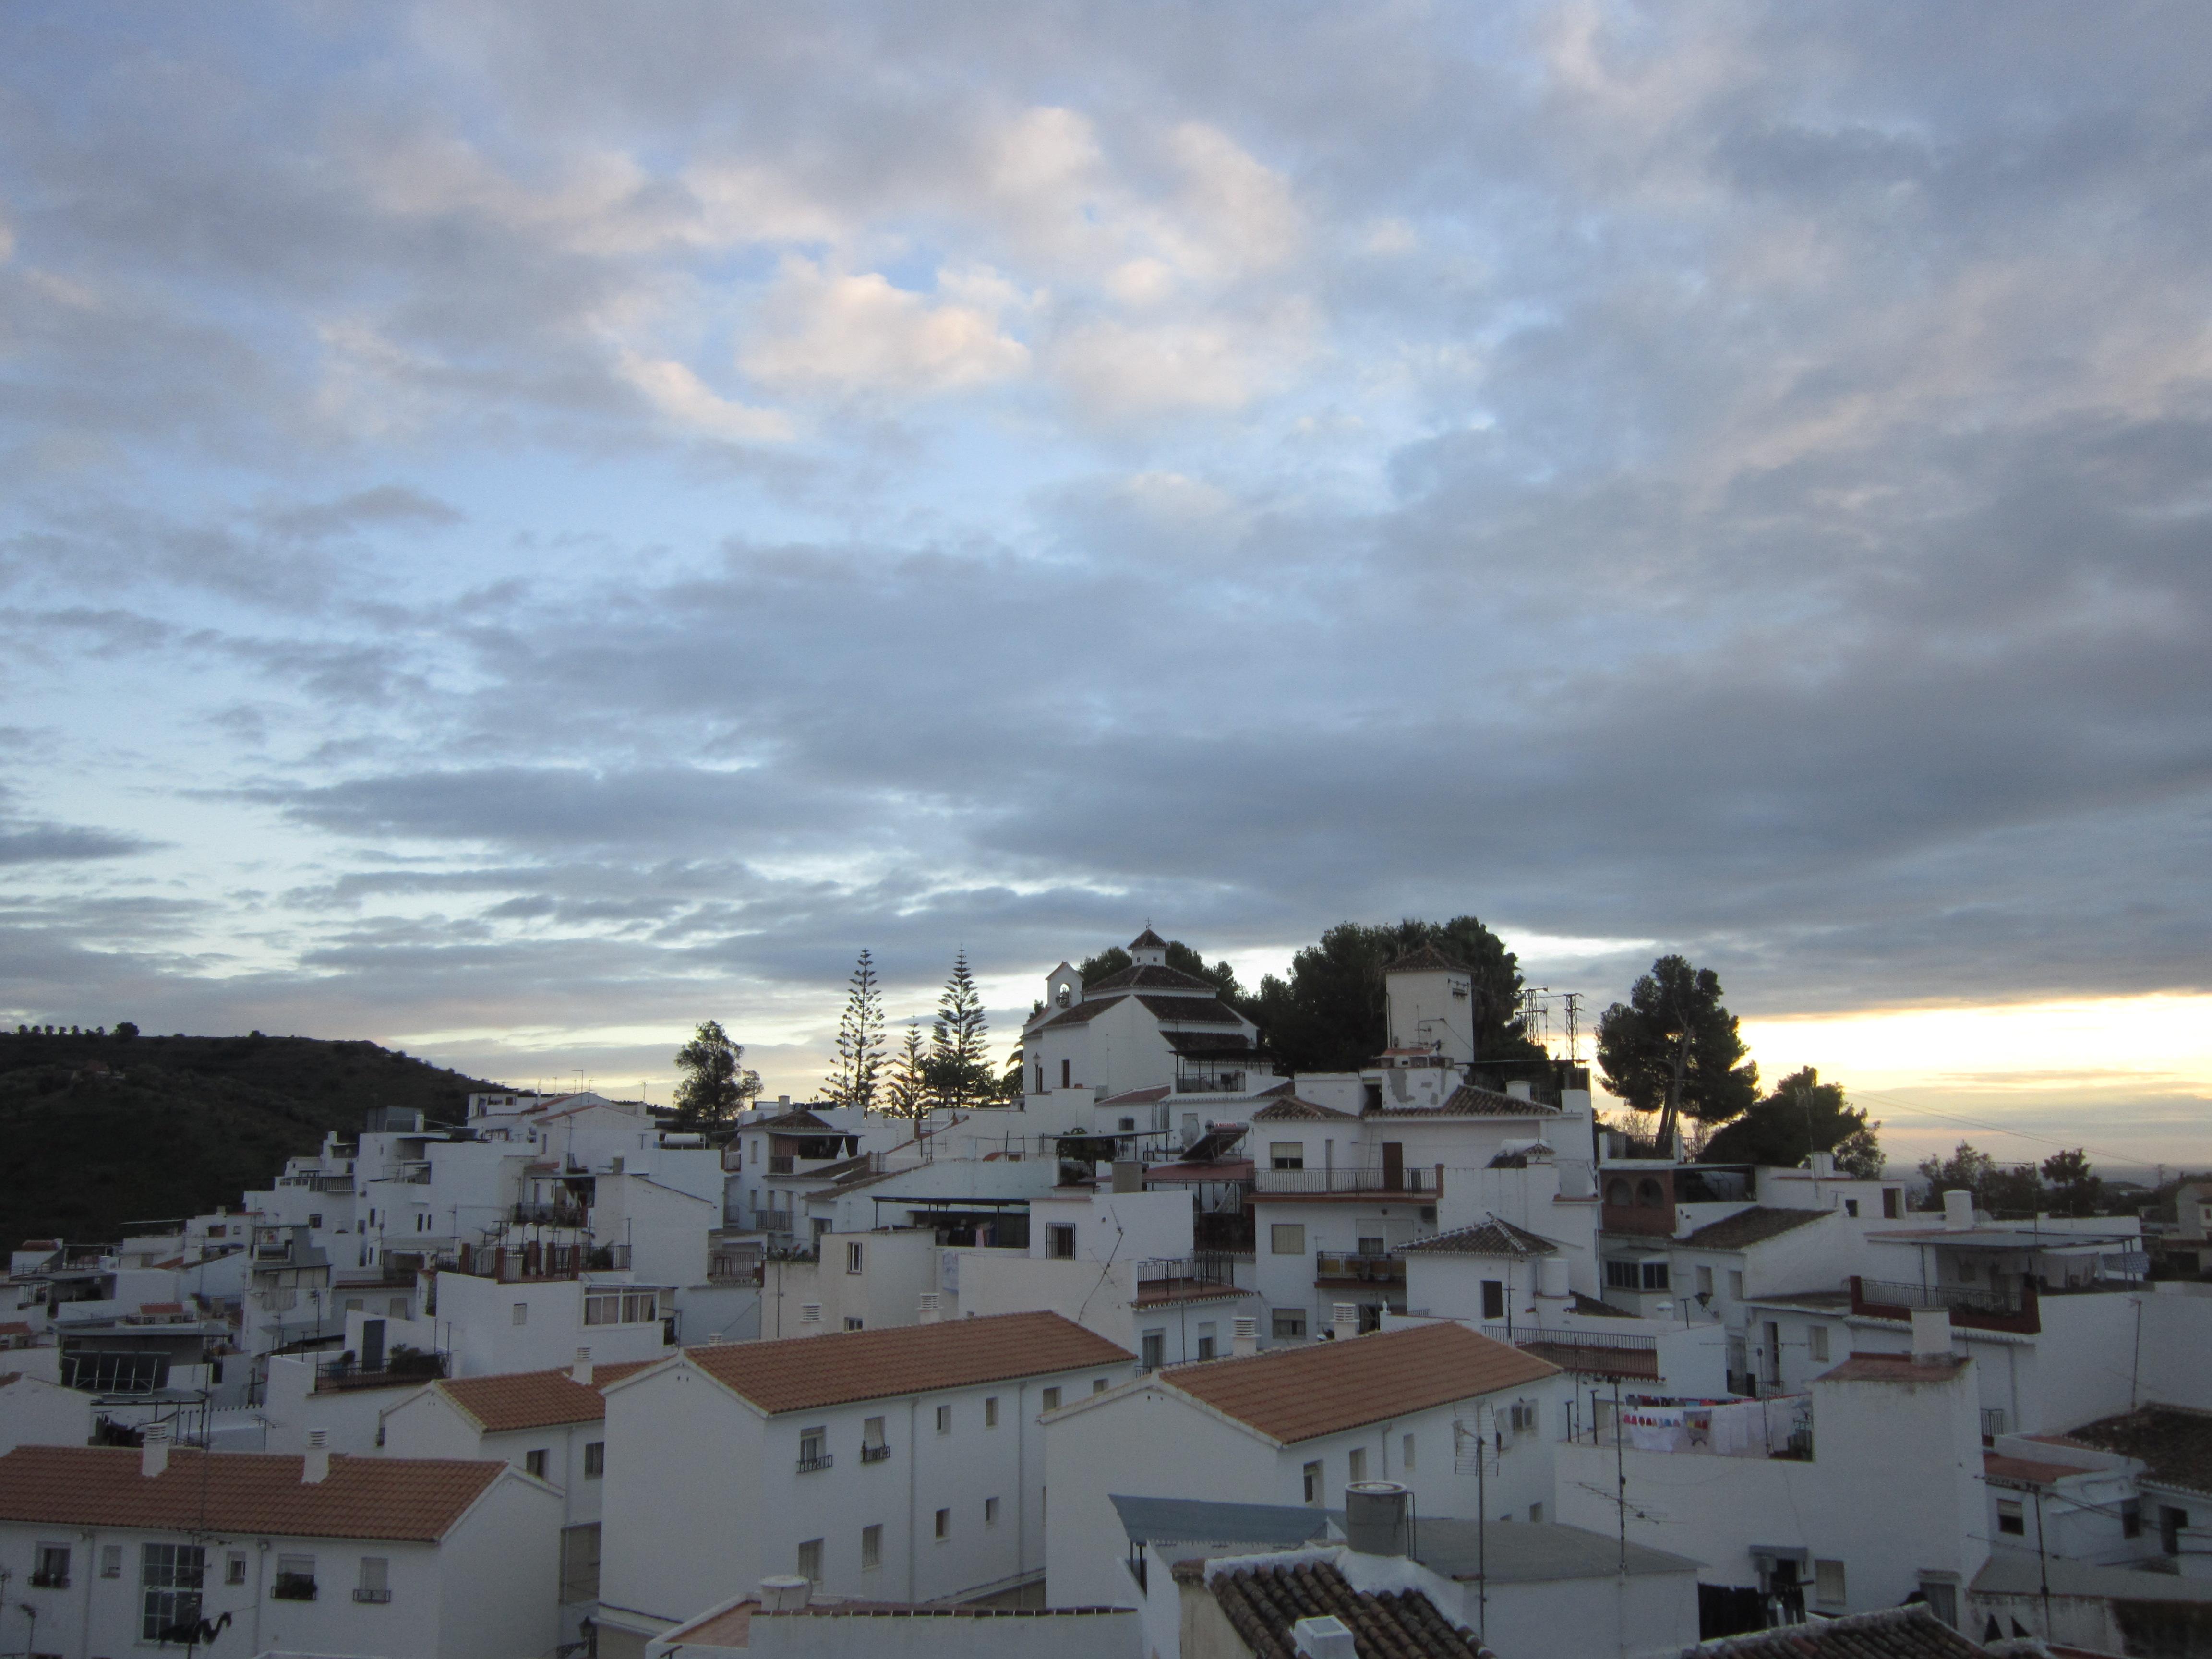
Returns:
(906, 1086)
(958, 1074)
(860, 1041)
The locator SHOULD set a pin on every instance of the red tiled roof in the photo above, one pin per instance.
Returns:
(1297, 1393)
(397, 1498)
(1291, 1109)
(1263, 1604)
(1151, 978)
(733, 1626)
(2174, 1442)
(1998, 1466)
(1895, 1368)
(1908, 1632)
(535, 1400)
(1470, 1100)
(802, 1373)
(161, 1306)
(1753, 1226)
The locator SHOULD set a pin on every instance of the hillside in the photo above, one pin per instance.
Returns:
(99, 1132)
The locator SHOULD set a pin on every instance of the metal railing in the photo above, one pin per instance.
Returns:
(1173, 1275)
(1968, 1299)
(366, 1595)
(1360, 1268)
(1228, 1083)
(511, 1263)
(336, 1375)
(553, 1215)
(1604, 1353)
(810, 1464)
(781, 1163)
(1412, 1183)
(874, 1454)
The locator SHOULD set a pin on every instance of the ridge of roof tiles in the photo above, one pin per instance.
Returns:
(802, 1373)
(1427, 959)
(1492, 1236)
(1148, 940)
(536, 1400)
(1263, 1604)
(1472, 1100)
(1290, 1395)
(1291, 1109)
(1753, 1226)
(2174, 1442)
(797, 1118)
(414, 1498)
(1150, 976)
(1192, 1011)
(1907, 1632)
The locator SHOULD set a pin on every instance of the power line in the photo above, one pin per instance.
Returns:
(1976, 1123)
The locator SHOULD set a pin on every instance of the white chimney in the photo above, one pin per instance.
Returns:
(1325, 1638)
(809, 1319)
(1519, 1089)
(1552, 1277)
(926, 1314)
(785, 1592)
(1344, 1319)
(1958, 1211)
(1244, 1336)
(315, 1467)
(783, 1103)
(581, 1371)
(1931, 1335)
(1823, 1164)
(154, 1449)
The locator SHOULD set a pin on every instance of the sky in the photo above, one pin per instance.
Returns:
(523, 528)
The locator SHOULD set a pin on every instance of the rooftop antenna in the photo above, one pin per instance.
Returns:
(1574, 1001)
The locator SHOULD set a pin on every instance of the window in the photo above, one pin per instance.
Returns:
(1736, 1284)
(52, 1570)
(169, 1579)
(1816, 1339)
(945, 1420)
(314, 1221)
(1155, 1344)
(1828, 1583)
(579, 1563)
(991, 1411)
(234, 1568)
(522, 1313)
(1634, 1276)
(1051, 1400)
(1206, 1338)
(296, 1578)
(1852, 1207)
(1535, 1514)
(871, 1548)
(1704, 1281)
(2012, 1516)
(595, 1459)
(1942, 1596)
(1286, 1154)
(1655, 1275)
(1127, 1124)
(375, 1583)
(1521, 1417)
(1356, 1470)
(1993, 1424)
(1493, 1299)
(810, 1559)
(1311, 1476)
(1059, 1242)
(1405, 1454)
(813, 1449)
(943, 1529)
(2171, 1521)
(854, 1323)
(1063, 1074)
(853, 1258)
(533, 1462)
(873, 1447)
(621, 1308)
(1889, 1202)
(1290, 1322)
(1097, 1385)
(111, 1561)
(2131, 1518)
(1286, 1238)
(990, 1512)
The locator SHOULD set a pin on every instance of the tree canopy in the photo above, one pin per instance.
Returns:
(2075, 1186)
(1803, 1115)
(1113, 960)
(906, 1085)
(1672, 1048)
(716, 1083)
(1998, 1187)
(1330, 1014)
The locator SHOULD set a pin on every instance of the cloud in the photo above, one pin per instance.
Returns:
(858, 334)
(685, 399)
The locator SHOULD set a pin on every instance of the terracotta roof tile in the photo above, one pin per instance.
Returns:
(1084, 1012)
(1297, 1393)
(1489, 1237)
(1148, 940)
(1138, 1096)
(1909, 1632)
(798, 1118)
(1895, 1368)
(1291, 1109)
(802, 1373)
(398, 1498)
(1753, 1226)
(535, 1400)
(1263, 1604)
(2174, 1442)
(1148, 978)
(1427, 959)
(2028, 1470)
(1192, 1011)
(1469, 1100)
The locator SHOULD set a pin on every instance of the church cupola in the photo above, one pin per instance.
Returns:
(1148, 950)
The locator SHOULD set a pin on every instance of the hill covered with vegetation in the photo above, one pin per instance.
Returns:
(97, 1132)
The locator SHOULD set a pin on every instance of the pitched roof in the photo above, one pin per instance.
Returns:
(1148, 977)
(2027, 1471)
(2174, 1442)
(797, 1118)
(1753, 1226)
(1908, 1632)
(535, 1400)
(1137, 1097)
(1148, 940)
(399, 1497)
(1469, 1100)
(1297, 1393)
(1427, 959)
(1493, 1236)
(1208, 1042)
(801, 1373)
(1083, 1013)
(1194, 1009)
(1291, 1109)
(1263, 1603)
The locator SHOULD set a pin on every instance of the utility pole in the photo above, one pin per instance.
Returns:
(2042, 1563)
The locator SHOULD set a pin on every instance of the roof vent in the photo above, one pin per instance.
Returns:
(1344, 1319)
(1244, 1335)
(927, 1313)
(809, 1318)
(1377, 1518)
(315, 1467)
(581, 1371)
(785, 1592)
(1519, 1089)
(1325, 1638)
(154, 1449)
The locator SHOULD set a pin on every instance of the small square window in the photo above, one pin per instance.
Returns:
(111, 1561)
(534, 1462)
(1290, 1322)
(810, 1559)
(1286, 1238)
(521, 1313)
(1852, 1207)
(853, 1322)
(233, 1567)
(990, 1512)
(1816, 1339)
(853, 1258)
(1493, 1299)
(1097, 1385)
(991, 1412)
(1828, 1583)
(2012, 1516)
(1287, 1154)
(1059, 1242)
(1051, 1400)
(1355, 1470)
(944, 1524)
(1406, 1454)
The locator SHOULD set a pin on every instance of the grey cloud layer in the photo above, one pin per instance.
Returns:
(634, 511)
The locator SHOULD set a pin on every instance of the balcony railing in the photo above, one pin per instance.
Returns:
(740, 1269)
(1359, 1268)
(781, 1163)
(1222, 1083)
(874, 1454)
(1161, 1276)
(511, 1263)
(551, 1215)
(2000, 1308)
(812, 1465)
(1598, 1353)
(364, 1594)
(1407, 1183)
(336, 1375)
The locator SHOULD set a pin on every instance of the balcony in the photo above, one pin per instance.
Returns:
(1322, 1183)
(1974, 1307)
(782, 1164)
(42, 1579)
(742, 1268)
(1587, 1353)
(373, 1596)
(821, 1460)
(1355, 1268)
(513, 1264)
(1165, 1279)
(874, 1454)
(1220, 1083)
(551, 1215)
(339, 1376)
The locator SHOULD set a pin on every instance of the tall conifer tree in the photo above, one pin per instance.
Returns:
(959, 1074)
(860, 1054)
(906, 1087)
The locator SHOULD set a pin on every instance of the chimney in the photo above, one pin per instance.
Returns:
(1551, 1278)
(1519, 1089)
(1244, 1338)
(1823, 1164)
(581, 1371)
(1128, 1175)
(154, 1449)
(1344, 1319)
(1325, 1638)
(809, 1319)
(1374, 1517)
(783, 1103)
(927, 1315)
(785, 1592)
(315, 1467)
(1958, 1211)
(1931, 1335)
